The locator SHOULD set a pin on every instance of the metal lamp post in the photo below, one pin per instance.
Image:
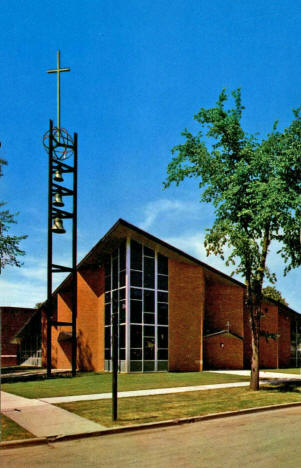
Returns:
(114, 362)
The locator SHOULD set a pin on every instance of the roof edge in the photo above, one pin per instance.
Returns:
(165, 244)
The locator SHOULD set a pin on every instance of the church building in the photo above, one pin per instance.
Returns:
(174, 312)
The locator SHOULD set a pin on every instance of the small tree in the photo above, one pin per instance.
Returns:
(9, 245)
(254, 187)
(273, 293)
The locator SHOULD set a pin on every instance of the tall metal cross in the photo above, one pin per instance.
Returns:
(58, 70)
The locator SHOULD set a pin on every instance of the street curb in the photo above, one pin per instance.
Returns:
(22, 443)
(139, 427)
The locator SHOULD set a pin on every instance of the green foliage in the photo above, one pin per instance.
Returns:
(273, 293)
(9, 245)
(254, 186)
(267, 335)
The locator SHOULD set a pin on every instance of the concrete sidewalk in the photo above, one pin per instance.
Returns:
(138, 393)
(262, 374)
(43, 419)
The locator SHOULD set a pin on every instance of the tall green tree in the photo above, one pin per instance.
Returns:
(10, 250)
(254, 186)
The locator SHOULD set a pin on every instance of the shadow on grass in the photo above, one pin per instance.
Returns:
(14, 369)
(283, 387)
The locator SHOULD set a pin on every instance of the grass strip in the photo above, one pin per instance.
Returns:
(157, 408)
(91, 383)
(12, 431)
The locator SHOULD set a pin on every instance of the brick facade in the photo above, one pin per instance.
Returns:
(90, 325)
(223, 351)
(273, 353)
(186, 312)
(91, 320)
(224, 305)
(284, 341)
(12, 320)
(223, 311)
(268, 348)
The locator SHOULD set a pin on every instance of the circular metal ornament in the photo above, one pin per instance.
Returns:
(61, 143)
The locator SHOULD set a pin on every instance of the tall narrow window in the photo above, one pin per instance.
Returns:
(115, 302)
(149, 309)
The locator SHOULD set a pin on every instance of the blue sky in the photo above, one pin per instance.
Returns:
(140, 70)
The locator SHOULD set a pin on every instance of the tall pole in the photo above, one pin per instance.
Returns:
(60, 146)
(74, 261)
(49, 255)
(114, 361)
(297, 344)
(58, 87)
(58, 72)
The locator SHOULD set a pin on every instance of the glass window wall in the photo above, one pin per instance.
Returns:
(147, 317)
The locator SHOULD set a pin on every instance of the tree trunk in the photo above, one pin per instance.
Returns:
(254, 320)
(255, 332)
(254, 292)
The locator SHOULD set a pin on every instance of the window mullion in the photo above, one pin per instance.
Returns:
(128, 305)
(156, 310)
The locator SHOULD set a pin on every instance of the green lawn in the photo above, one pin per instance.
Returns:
(179, 405)
(11, 431)
(88, 383)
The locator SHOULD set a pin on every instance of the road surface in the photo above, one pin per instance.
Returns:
(269, 439)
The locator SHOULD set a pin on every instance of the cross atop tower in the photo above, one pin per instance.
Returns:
(58, 71)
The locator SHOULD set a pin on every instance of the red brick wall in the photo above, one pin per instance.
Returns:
(268, 351)
(12, 320)
(54, 333)
(61, 357)
(186, 311)
(247, 341)
(284, 342)
(90, 324)
(223, 352)
(44, 337)
(224, 302)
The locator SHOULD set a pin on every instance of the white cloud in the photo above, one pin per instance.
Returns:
(25, 286)
(21, 293)
(34, 269)
(167, 207)
(192, 244)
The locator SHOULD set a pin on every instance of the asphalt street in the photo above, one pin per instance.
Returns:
(269, 439)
